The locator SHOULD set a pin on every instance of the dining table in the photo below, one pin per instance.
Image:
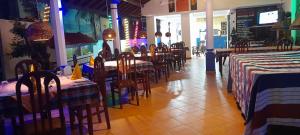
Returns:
(141, 66)
(267, 89)
(74, 93)
(222, 53)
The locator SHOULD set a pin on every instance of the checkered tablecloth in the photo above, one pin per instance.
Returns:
(257, 99)
(74, 93)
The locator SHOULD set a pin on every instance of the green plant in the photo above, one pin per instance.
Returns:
(22, 47)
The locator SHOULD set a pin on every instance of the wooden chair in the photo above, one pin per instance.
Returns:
(25, 66)
(242, 46)
(126, 66)
(100, 78)
(178, 55)
(116, 53)
(144, 53)
(153, 46)
(41, 104)
(134, 49)
(143, 77)
(285, 45)
(160, 63)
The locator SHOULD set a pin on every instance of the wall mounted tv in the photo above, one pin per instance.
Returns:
(268, 17)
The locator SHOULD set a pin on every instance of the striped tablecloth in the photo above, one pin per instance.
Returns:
(267, 88)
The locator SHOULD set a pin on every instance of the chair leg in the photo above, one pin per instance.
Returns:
(106, 112)
(90, 119)
(120, 98)
(98, 113)
(137, 97)
(113, 96)
(156, 76)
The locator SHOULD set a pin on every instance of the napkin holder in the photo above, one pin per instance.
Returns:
(67, 71)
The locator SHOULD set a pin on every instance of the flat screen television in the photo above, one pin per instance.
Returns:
(268, 17)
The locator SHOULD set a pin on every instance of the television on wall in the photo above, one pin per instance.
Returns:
(268, 17)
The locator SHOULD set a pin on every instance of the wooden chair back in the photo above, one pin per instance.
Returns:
(285, 45)
(41, 100)
(134, 49)
(241, 46)
(160, 55)
(100, 74)
(126, 66)
(25, 66)
(116, 52)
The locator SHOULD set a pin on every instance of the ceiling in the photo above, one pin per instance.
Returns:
(127, 8)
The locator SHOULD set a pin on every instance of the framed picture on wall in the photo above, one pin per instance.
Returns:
(171, 5)
(193, 4)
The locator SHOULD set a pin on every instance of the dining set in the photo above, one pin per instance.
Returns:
(265, 84)
(41, 101)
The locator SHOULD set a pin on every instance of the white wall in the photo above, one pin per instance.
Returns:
(161, 7)
(185, 27)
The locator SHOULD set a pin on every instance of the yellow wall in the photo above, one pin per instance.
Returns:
(217, 21)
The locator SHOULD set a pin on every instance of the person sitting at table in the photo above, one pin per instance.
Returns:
(106, 51)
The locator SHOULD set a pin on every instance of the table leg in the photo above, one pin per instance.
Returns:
(90, 119)
(2, 126)
(220, 65)
(224, 60)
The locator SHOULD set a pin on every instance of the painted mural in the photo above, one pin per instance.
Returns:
(86, 23)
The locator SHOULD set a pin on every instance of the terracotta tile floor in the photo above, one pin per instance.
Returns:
(192, 102)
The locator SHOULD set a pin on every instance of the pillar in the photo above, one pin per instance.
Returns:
(115, 24)
(58, 32)
(150, 30)
(186, 33)
(210, 56)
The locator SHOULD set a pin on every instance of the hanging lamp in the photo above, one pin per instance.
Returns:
(109, 33)
(158, 34)
(40, 30)
(168, 34)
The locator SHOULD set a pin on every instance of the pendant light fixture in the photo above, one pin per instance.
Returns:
(109, 33)
(158, 34)
(40, 30)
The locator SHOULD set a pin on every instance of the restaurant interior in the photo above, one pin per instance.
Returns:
(150, 67)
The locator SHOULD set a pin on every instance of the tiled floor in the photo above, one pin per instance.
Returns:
(192, 102)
